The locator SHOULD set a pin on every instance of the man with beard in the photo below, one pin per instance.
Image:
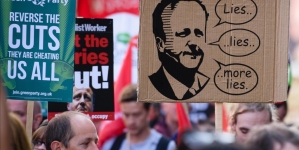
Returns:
(179, 48)
(82, 100)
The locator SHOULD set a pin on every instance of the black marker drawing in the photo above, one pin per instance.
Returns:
(245, 10)
(235, 79)
(179, 48)
(237, 44)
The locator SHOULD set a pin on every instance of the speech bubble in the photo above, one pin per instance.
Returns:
(235, 79)
(235, 11)
(238, 42)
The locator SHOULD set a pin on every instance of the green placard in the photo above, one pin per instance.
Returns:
(37, 49)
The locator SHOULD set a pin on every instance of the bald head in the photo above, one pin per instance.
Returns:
(69, 130)
(19, 107)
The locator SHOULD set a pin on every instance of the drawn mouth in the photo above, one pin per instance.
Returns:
(194, 56)
(194, 51)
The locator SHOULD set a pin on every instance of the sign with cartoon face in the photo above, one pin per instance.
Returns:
(212, 51)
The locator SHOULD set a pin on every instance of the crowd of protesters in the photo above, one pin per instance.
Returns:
(252, 126)
(154, 126)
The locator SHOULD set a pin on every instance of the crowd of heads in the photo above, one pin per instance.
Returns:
(251, 126)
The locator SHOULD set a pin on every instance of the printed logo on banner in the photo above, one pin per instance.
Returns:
(39, 2)
(43, 2)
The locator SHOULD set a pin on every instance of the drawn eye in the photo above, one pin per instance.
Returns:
(198, 33)
(184, 33)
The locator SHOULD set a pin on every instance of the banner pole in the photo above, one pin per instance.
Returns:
(29, 122)
(218, 117)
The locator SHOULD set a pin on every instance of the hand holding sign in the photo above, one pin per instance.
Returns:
(235, 11)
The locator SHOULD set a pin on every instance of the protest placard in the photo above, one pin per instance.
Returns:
(213, 50)
(93, 76)
(37, 50)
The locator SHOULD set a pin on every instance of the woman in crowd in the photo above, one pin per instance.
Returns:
(38, 138)
(4, 127)
(19, 138)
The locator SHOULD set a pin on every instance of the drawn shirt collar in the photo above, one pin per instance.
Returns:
(180, 89)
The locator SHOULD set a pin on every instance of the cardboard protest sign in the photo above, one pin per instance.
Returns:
(36, 57)
(213, 50)
(93, 91)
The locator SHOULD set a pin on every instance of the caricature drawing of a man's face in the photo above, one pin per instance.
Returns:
(179, 28)
(188, 39)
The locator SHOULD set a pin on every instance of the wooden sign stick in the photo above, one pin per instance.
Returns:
(185, 105)
(218, 117)
(29, 122)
